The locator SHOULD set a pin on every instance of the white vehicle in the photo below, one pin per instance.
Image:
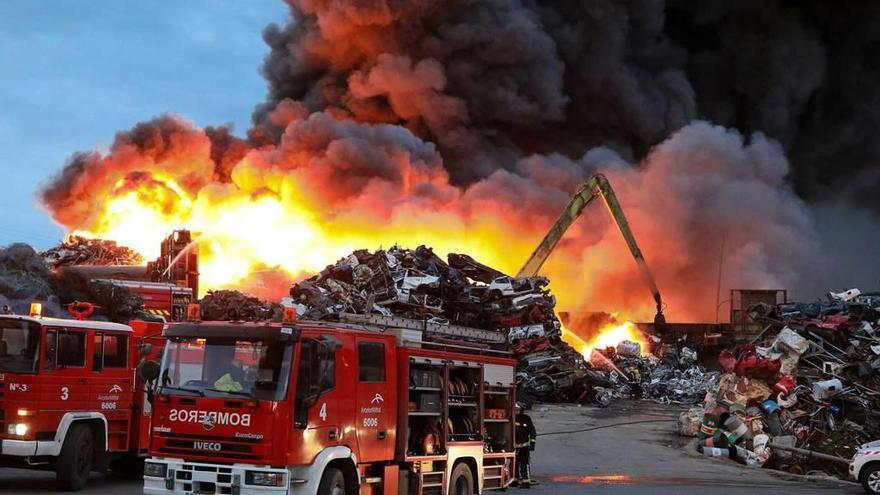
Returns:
(511, 286)
(865, 467)
(525, 332)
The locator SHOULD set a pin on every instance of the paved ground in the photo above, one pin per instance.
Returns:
(640, 458)
(631, 459)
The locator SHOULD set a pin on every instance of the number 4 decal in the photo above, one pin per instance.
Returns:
(323, 412)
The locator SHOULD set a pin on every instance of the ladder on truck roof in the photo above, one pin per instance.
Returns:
(431, 331)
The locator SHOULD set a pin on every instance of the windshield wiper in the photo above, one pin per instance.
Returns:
(232, 392)
(182, 389)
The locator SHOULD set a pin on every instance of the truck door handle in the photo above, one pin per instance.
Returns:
(382, 435)
(332, 435)
(82, 380)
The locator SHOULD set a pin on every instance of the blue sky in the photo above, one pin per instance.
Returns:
(73, 73)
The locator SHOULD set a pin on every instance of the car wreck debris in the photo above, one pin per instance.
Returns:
(232, 305)
(419, 285)
(77, 250)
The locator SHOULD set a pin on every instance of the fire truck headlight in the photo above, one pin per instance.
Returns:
(263, 478)
(17, 429)
(155, 469)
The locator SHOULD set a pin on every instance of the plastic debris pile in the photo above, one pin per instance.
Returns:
(809, 382)
(76, 250)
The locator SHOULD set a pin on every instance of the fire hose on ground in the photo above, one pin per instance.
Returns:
(583, 430)
(809, 453)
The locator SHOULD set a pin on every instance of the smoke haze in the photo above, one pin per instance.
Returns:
(467, 125)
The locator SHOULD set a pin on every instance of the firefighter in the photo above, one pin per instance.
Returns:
(525, 443)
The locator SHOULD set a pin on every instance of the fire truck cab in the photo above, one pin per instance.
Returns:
(327, 408)
(69, 396)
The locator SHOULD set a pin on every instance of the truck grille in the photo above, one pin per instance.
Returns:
(211, 446)
(221, 484)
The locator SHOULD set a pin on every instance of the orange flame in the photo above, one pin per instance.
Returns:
(240, 234)
(608, 336)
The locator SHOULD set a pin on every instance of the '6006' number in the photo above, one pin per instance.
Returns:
(108, 405)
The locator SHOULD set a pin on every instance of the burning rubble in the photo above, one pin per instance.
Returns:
(807, 387)
(77, 250)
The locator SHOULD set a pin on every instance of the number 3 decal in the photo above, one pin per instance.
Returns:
(64, 393)
(323, 412)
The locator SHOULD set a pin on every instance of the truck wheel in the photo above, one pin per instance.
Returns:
(462, 481)
(75, 462)
(332, 482)
(871, 479)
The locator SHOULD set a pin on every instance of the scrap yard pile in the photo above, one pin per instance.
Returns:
(670, 376)
(232, 305)
(77, 250)
(809, 383)
(418, 284)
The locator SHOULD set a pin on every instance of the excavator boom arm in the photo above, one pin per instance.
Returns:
(598, 185)
(585, 195)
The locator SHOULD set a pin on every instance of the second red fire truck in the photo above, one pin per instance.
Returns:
(375, 405)
(70, 398)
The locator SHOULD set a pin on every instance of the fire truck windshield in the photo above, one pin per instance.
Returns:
(19, 346)
(220, 367)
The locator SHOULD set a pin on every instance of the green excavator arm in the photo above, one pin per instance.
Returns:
(597, 186)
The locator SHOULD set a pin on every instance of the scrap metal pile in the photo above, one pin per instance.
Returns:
(418, 284)
(624, 372)
(225, 305)
(76, 250)
(809, 382)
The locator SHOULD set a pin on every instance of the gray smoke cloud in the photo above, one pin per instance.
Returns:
(489, 81)
(749, 123)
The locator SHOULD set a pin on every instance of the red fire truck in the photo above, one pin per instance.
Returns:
(160, 299)
(369, 405)
(69, 396)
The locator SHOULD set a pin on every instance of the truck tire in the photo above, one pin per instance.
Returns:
(462, 480)
(870, 477)
(332, 482)
(75, 462)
